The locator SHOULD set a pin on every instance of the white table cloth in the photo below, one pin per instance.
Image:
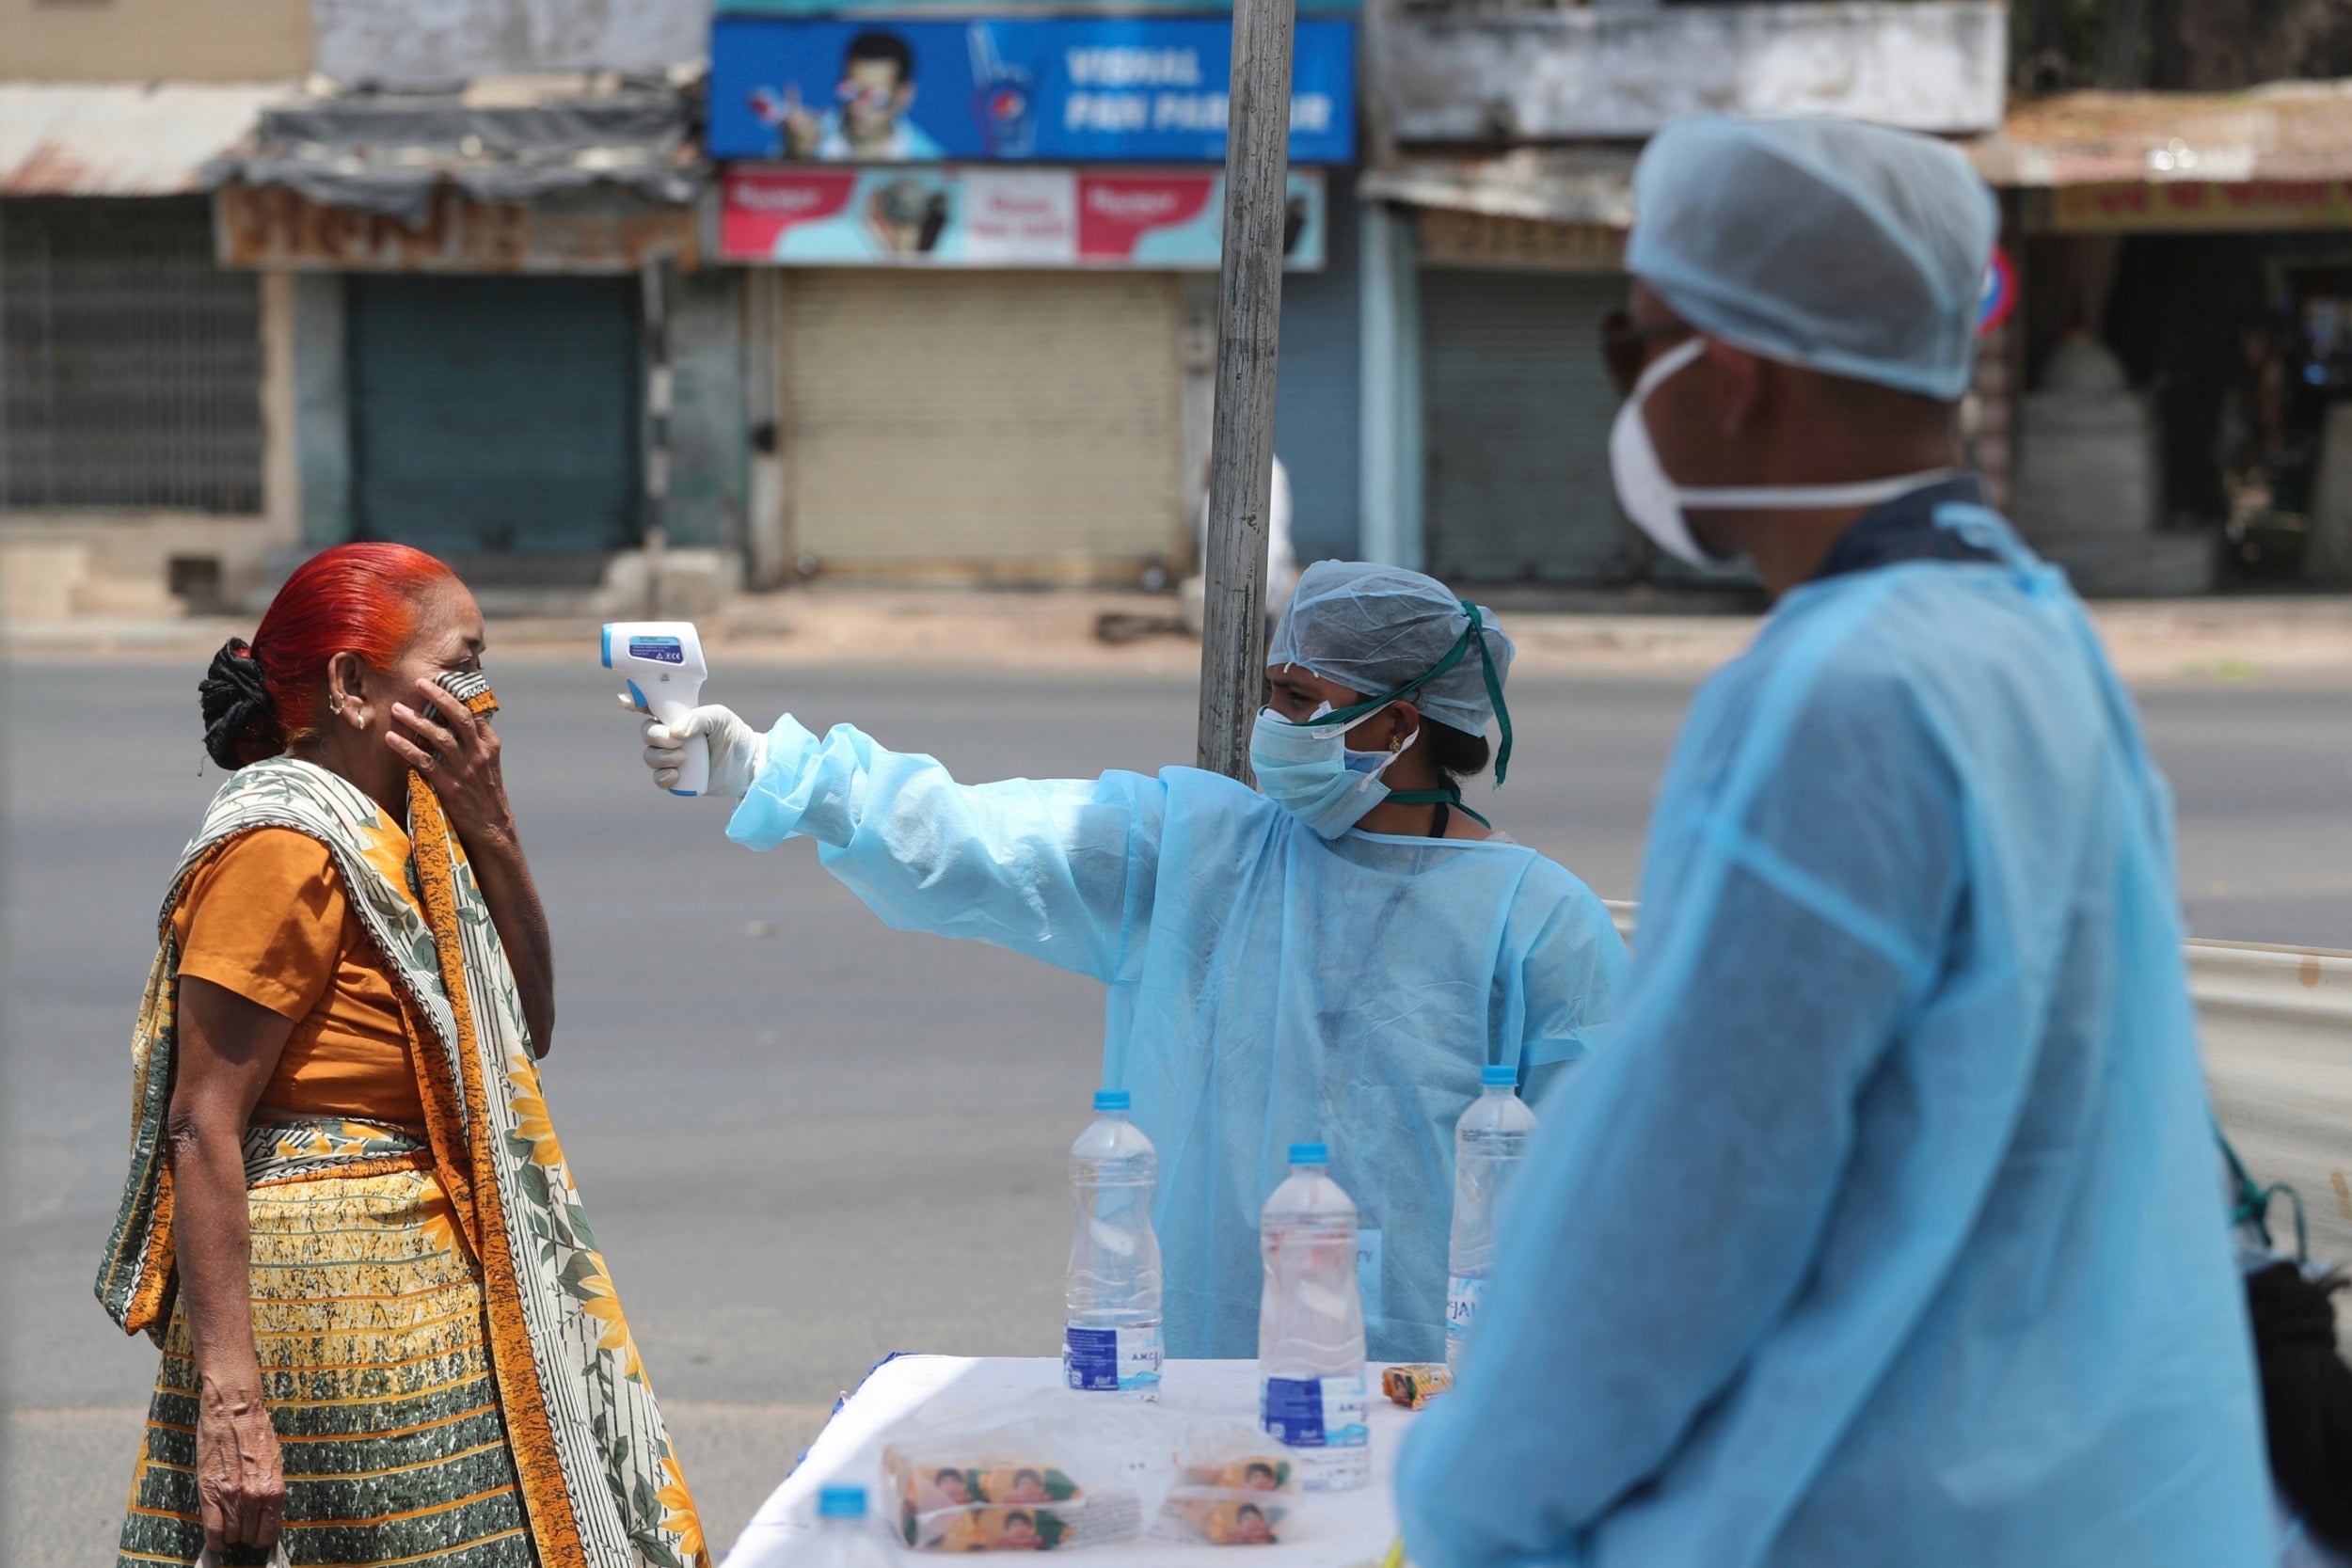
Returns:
(1327, 1529)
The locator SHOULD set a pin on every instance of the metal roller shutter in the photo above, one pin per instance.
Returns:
(130, 361)
(1316, 403)
(491, 415)
(1026, 424)
(1518, 411)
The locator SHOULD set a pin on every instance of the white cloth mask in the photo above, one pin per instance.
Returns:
(1654, 503)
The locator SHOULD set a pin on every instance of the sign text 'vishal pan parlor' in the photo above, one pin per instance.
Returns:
(1008, 89)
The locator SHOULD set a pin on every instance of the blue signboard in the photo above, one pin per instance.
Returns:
(1059, 89)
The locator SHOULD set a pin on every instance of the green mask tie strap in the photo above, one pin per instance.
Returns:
(2254, 1201)
(1474, 636)
(1450, 795)
(1494, 695)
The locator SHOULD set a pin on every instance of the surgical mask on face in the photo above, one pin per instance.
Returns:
(1654, 503)
(1309, 771)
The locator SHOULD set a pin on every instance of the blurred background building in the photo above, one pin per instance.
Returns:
(925, 290)
(1502, 188)
(983, 331)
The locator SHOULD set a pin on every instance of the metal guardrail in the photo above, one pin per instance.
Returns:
(2292, 984)
(2274, 1025)
(1622, 910)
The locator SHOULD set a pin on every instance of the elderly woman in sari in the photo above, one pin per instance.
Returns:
(388, 1334)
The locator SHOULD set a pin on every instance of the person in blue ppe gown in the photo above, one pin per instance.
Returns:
(1886, 1230)
(1334, 956)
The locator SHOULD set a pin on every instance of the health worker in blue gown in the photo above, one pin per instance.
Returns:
(1885, 1232)
(1332, 956)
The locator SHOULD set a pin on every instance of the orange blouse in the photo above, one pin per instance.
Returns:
(266, 917)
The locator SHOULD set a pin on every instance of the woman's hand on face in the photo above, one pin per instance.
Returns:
(459, 755)
(239, 1487)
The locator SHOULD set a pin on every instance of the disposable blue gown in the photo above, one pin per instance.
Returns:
(1885, 1232)
(1266, 987)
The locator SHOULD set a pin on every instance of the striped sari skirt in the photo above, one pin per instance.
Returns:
(369, 1318)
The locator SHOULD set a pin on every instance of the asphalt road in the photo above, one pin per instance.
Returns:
(806, 1140)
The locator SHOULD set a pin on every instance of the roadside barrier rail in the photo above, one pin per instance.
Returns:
(2275, 1027)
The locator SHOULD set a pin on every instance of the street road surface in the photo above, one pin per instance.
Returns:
(806, 1140)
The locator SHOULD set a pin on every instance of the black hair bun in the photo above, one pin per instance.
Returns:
(241, 723)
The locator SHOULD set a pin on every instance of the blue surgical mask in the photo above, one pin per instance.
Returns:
(1308, 771)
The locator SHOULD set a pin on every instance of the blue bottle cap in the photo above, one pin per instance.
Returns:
(1112, 1100)
(1311, 1154)
(1500, 1077)
(841, 1502)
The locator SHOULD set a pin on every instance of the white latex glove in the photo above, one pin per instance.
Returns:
(735, 748)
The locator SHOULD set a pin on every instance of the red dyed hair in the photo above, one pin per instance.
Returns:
(363, 600)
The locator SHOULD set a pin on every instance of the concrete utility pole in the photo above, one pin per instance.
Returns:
(1241, 438)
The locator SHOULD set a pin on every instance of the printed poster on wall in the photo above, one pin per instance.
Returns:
(1009, 89)
(996, 217)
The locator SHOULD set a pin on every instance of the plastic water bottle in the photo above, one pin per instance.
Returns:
(1310, 1326)
(844, 1540)
(1488, 1142)
(1111, 1338)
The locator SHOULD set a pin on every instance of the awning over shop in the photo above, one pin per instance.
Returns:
(499, 141)
(1554, 209)
(1586, 185)
(76, 139)
(2284, 131)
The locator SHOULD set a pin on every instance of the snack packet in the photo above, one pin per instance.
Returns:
(1256, 1472)
(958, 1484)
(1025, 1485)
(1415, 1386)
(1007, 1477)
(1222, 1519)
(1107, 1516)
(1233, 1488)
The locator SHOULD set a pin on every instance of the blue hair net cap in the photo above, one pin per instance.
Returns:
(1373, 628)
(1840, 246)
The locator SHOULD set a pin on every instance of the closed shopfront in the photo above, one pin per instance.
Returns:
(1025, 425)
(133, 365)
(1516, 410)
(972, 279)
(495, 414)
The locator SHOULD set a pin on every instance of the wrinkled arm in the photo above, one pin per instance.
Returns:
(1677, 1194)
(504, 877)
(457, 754)
(227, 1049)
(1058, 869)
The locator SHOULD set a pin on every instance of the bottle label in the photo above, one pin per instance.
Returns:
(1370, 1288)
(1112, 1360)
(1461, 1306)
(1314, 1412)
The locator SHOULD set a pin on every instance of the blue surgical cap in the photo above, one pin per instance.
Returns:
(1373, 629)
(1840, 246)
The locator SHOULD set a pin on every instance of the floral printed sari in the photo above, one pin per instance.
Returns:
(444, 1356)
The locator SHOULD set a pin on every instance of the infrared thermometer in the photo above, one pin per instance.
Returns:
(662, 661)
